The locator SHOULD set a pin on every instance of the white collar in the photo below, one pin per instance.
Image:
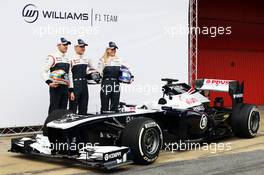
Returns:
(60, 54)
(79, 56)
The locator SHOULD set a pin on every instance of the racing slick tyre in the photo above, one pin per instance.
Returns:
(57, 114)
(144, 137)
(245, 120)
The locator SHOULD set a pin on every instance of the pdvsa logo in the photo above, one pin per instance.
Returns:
(30, 13)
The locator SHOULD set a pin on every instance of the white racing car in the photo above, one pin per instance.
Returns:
(135, 134)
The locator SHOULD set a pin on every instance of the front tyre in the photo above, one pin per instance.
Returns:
(144, 137)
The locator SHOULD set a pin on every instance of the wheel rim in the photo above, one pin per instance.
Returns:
(151, 141)
(254, 122)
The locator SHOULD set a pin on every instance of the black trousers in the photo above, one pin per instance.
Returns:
(110, 95)
(58, 98)
(81, 98)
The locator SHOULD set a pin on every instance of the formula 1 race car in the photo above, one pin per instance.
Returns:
(136, 133)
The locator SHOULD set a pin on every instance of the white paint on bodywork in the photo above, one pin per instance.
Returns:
(42, 144)
(182, 101)
(216, 85)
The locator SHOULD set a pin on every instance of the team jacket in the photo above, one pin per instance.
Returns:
(80, 67)
(110, 68)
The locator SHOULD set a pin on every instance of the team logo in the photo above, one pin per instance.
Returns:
(30, 13)
(217, 82)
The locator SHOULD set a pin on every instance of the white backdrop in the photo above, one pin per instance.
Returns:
(141, 29)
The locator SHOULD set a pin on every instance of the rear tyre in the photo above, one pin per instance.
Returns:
(55, 115)
(245, 120)
(144, 137)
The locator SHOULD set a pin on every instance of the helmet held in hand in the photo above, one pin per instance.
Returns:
(60, 77)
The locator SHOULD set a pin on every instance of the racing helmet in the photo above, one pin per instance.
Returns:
(93, 77)
(125, 76)
(60, 76)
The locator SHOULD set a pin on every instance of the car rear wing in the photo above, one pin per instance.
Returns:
(234, 87)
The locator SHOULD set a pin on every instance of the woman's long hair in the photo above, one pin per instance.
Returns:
(106, 55)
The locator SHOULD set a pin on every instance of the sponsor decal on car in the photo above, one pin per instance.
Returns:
(238, 95)
(216, 85)
(217, 82)
(112, 155)
(150, 125)
(198, 108)
(203, 122)
(191, 101)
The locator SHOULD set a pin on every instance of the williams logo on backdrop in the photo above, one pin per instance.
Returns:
(31, 14)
